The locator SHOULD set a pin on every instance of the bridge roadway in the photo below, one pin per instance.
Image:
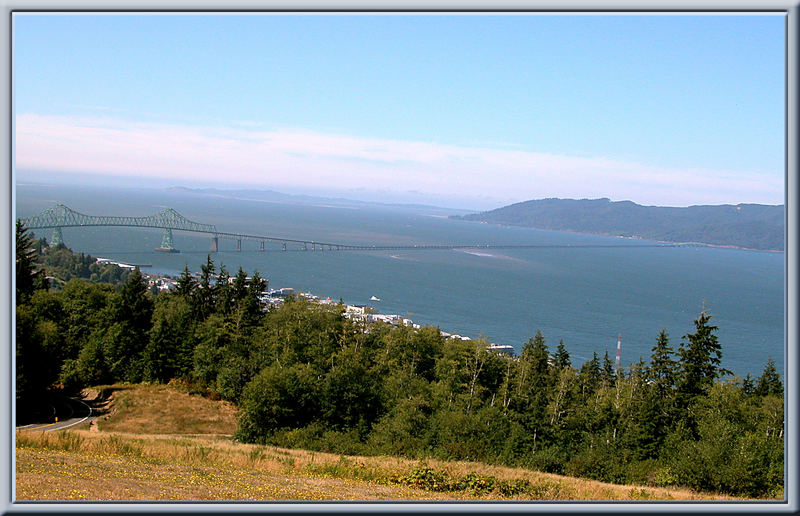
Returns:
(61, 216)
(420, 247)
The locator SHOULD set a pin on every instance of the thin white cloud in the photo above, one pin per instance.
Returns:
(308, 159)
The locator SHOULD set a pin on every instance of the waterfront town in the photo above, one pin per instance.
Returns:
(272, 297)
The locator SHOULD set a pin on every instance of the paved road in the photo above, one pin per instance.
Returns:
(75, 413)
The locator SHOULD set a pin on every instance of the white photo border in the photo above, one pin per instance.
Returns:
(788, 8)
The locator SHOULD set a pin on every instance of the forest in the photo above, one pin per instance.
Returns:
(304, 376)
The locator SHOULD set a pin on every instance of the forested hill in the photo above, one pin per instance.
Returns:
(752, 226)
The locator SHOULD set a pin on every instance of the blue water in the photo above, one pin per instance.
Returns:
(585, 296)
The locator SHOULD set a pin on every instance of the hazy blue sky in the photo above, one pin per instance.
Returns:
(473, 111)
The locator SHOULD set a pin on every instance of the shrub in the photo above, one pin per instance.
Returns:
(427, 479)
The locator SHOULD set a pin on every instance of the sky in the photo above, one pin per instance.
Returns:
(467, 111)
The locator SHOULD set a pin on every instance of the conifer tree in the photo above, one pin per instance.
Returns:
(700, 359)
(186, 283)
(27, 274)
(748, 385)
(223, 292)
(607, 374)
(239, 285)
(561, 358)
(770, 381)
(204, 295)
(535, 351)
(663, 367)
(133, 315)
(590, 375)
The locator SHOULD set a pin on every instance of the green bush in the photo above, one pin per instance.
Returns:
(427, 479)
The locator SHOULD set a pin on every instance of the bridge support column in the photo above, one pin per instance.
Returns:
(239, 245)
(57, 238)
(284, 247)
(167, 245)
(261, 248)
(214, 244)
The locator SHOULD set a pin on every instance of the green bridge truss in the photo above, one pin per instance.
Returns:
(60, 216)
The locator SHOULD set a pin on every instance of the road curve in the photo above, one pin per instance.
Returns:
(68, 421)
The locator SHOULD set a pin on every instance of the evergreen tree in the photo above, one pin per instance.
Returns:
(607, 376)
(590, 375)
(535, 378)
(223, 292)
(536, 353)
(699, 360)
(204, 295)
(169, 350)
(186, 283)
(562, 357)
(127, 341)
(748, 385)
(770, 381)
(663, 368)
(239, 285)
(28, 275)
(253, 305)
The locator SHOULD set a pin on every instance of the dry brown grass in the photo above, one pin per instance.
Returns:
(160, 443)
(115, 466)
(85, 465)
(162, 409)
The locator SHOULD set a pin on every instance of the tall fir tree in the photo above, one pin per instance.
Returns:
(205, 295)
(590, 375)
(28, 274)
(769, 383)
(700, 358)
(607, 375)
(239, 285)
(129, 338)
(186, 283)
(223, 292)
(663, 367)
(561, 358)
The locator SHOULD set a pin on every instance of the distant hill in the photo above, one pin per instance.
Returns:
(751, 226)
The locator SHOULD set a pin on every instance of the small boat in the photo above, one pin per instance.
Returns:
(373, 298)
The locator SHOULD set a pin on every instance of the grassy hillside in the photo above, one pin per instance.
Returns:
(161, 443)
(752, 226)
(161, 409)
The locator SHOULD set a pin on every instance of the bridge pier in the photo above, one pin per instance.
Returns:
(284, 247)
(214, 244)
(261, 248)
(57, 238)
(239, 245)
(167, 245)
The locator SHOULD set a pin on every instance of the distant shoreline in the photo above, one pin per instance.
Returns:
(752, 227)
(573, 232)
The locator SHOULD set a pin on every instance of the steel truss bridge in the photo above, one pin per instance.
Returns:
(60, 216)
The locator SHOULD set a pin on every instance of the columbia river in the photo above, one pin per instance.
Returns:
(585, 296)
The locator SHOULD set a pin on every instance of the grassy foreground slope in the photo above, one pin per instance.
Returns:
(157, 442)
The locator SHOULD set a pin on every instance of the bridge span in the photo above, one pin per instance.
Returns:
(61, 216)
